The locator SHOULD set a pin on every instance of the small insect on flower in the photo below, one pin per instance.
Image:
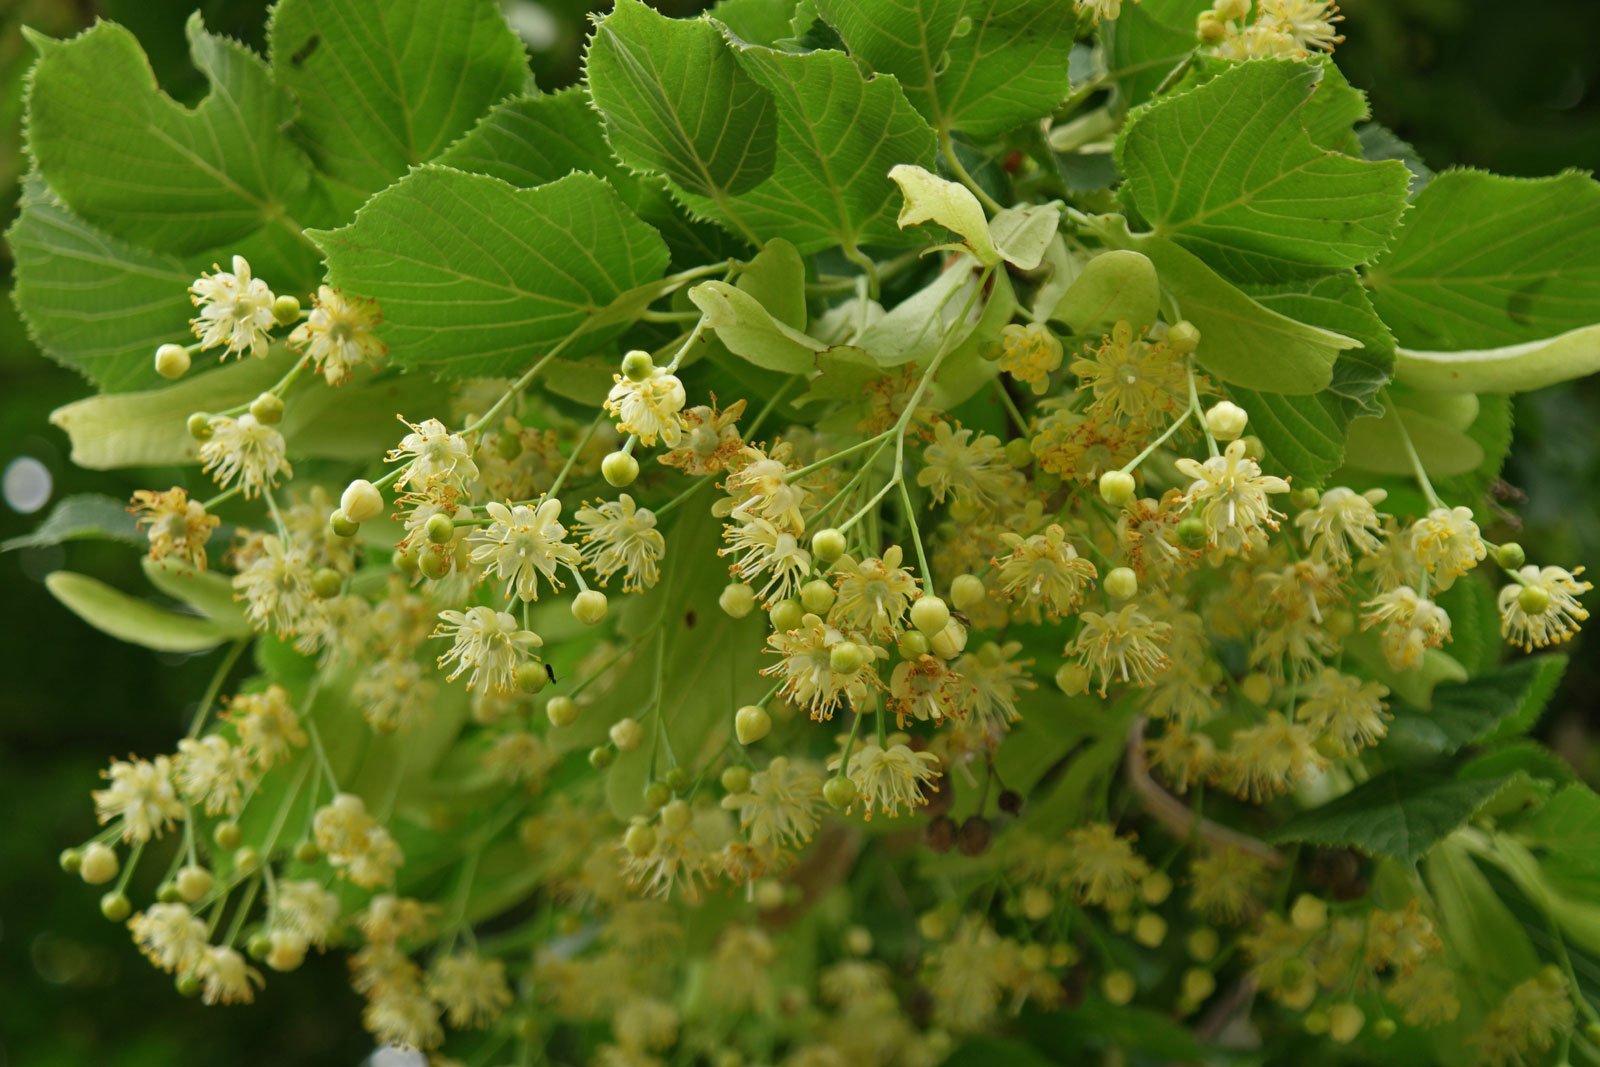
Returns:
(338, 336)
(888, 780)
(142, 796)
(246, 449)
(486, 642)
(523, 543)
(619, 535)
(175, 525)
(1541, 608)
(235, 310)
(650, 408)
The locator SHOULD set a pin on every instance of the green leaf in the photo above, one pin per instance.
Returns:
(1483, 937)
(127, 618)
(1113, 285)
(930, 198)
(980, 66)
(1491, 431)
(838, 136)
(676, 101)
(776, 277)
(1380, 444)
(756, 21)
(135, 163)
(1483, 261)
(384, 85)
(532, 140)
(1509, 369)
(84, 517)
(1567, 829)
(1146, 43)
(1023, 233)
(476, 278)
(1242, 342)
(1228, 171)
(207, 592)
(1496, 706)
(1397, 813)
(91, 301)
(750, 331)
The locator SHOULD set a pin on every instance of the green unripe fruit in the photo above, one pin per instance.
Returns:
(267, 409)
(433, 563)
(601, 757)
(1510, 556)
(172, 361)
(619, 469)
(1118, 488)
(679, 780)
(1192, 533)
(327, 583)
(967, 592)
(71, 860)
(639, 839)
(751, 723)
(1122, 583)
(439, 528)
(928, 615)
(167, 893)
(1019, 453)
(656, 794)
(736, 779)
(285, 310)
(532, 676)
(199, 425)
(1534, 599)
(637, 365)
(913, 645)
(1183, 337)
(589, 607)
(816, 596)
(341, 525)
(227, 836)
(827, 545)
(846, 657)
(786, 615)
(737, 600)
(561, 711)
(840, 792)
(1072, 679)
(307, 852)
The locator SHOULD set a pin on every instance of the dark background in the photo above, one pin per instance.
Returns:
(1514, 88)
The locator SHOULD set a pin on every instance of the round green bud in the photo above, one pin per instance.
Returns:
(1345, 1022)
(786, 615)
(258, 945)
(846, 657)
(1256, 687)
(602, 756)
(913, 645)
(1150, 930)
(434, 563)
(1510, 556)
(71, 860)
(1119, 987)
(307, 852)
(1202, 944)
(626, 734)
(341, 525)
(928, 615)
(167, 893)
(1253, 448)
(116, 906)
(100, 864)
(267, 409)
(737, 600)
(285, 310)
(736, 779)
(187, 985)
(1118, 488)
(827, 545)
(286, 950)
(967, 592)
(1072, 679)
(839, 791)
(1384, 1029)
(172, 361)
(1198, 984)
(676, 816)
(1192, 533)
(246, 859)
(1019, 453)
(1156, 887)
(656, 794)
(532, 676)
(1121, 583)
(561, 711)
(1309, 913)
(679, 780)
(639, 839)
(1232, 10)
(1183, 337)
(589, 607)
(619, 469)
(199, 425)
(1037, 903)
(227, 836)
(404, 558)
(1534, 599)
(816, 596)
(751, 723)
(637, 365)
(1210, 29)
(1226, 420)
(439, 528)
(858, 940)
(327, 583)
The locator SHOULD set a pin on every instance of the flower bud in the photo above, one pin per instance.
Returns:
(1226, 420)
(827, 545)
(1253, 448)
(1183, 337)
(532, 676)
(1150, 930)
(341, 525)
(751, 723)
(619, 469)
(439, 528)
(285, 310)
(786, 615)
(1210, 29)
(561, 711)
(1037, 903)
(656, 795)
(1305, 497)
(737, 600)
(267, 409)
(71, 860)
(193, 882)
(1121, 583)
(912, 645)
(246, 859)
(967, 592)
(1117, 488)
(1155, 888)
(258, 945)
(1019, 453)
(227, 836)
(199, 426)
(589, 607)
(1072, 679)
(602, 756)
(1384, 1029)
(1256, 688)
(736, 779)
(929, 614)
(1202, 944)
(676, 816)
(1309, 913)
(637, 365)
(639, 839)
(949, 642)
(99, 864)
(846, 657)
(839, 791)
(327, 583)
(116, 906)
(1192, 533)
(1198, 984)
(816, 596)
(1510, 556)
(1119, 987)
(172, 361)
(307, 852)
(287, 950)
(1345, 1022)
(858, 940)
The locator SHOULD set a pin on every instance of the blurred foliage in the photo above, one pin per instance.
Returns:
(1515, 88)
